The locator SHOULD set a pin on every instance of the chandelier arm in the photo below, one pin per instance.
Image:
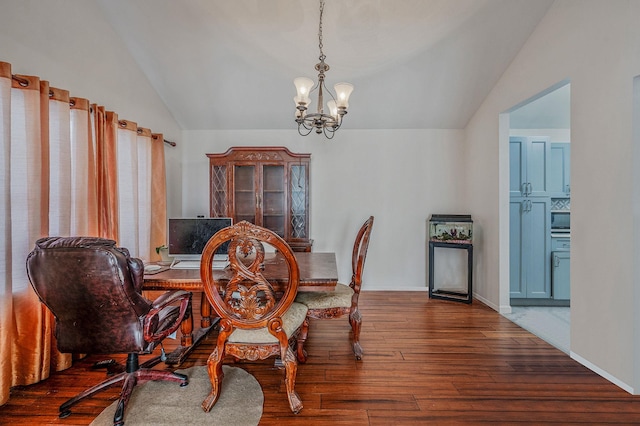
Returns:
(329, 134)
(307, 124)
(309, 130)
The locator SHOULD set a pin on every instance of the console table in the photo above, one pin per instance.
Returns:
(445, 294)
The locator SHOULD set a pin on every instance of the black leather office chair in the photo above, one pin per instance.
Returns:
(94, 290)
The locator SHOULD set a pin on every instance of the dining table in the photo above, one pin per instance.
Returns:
(318, 272)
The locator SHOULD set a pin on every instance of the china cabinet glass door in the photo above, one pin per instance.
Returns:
(273, 200)
(299, 201)
(244, 194)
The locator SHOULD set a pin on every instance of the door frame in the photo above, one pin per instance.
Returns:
(504, 250)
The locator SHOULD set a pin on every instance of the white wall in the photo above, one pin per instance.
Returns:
(596, 45)
(400, 177)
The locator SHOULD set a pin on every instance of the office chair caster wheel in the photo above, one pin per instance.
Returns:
(184, 377)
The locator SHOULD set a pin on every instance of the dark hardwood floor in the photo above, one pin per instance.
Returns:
(426, 361)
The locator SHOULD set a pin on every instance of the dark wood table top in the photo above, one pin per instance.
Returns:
(318, 271)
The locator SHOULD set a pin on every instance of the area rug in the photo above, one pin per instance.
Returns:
(166, 403)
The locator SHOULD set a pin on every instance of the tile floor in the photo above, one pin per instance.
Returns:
(550, 323)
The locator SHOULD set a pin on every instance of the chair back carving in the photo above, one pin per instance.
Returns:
(248, 300)
(359, 254)
(92, 288)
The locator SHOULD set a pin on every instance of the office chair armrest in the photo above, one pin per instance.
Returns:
(154, 315)
(169, 297)
(137, 272)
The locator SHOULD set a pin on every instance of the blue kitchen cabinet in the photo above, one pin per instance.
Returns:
(559, 170)
(517, 166)
(560, 243)
(530, 243)
(528, 163)
(560, 275)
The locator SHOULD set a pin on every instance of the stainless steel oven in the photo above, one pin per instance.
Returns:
(560, 221)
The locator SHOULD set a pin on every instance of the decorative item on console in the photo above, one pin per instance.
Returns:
(451, 228)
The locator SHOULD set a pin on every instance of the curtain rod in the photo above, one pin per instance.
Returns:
(165, 141)
(24, 82)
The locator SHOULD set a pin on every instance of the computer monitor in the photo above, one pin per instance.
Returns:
(188, 236)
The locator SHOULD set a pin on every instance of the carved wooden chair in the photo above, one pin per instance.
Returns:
(344, 300)
(94, 290)
(258, 318)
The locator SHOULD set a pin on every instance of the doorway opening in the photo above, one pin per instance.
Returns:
(537, 285)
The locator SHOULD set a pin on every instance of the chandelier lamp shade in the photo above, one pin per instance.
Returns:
(327, 120)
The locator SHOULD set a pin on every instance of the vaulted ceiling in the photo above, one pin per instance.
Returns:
(415, 64)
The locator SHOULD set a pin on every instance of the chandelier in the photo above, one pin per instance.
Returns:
(323, 122)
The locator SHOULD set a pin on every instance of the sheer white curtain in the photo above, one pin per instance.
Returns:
(6, 310)
(71, 167)
(25, 325)
(134, 189)
(84, 192)
(60, 195)
(127, 173)
(144, 143)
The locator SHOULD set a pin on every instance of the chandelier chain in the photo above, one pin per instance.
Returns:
(320, 45)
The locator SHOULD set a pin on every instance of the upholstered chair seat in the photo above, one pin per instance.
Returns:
(339, 298)
(292, 320)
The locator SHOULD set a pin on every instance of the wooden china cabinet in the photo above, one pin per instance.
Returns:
(267, 186)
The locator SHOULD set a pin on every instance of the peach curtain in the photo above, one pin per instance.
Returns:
(61, 174)
(158, 195)
(106, 124)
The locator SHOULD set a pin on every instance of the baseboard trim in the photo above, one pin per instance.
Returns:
(420, 289)
(485, 302)
(540, 302)
(602, 373)
(505, 309)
